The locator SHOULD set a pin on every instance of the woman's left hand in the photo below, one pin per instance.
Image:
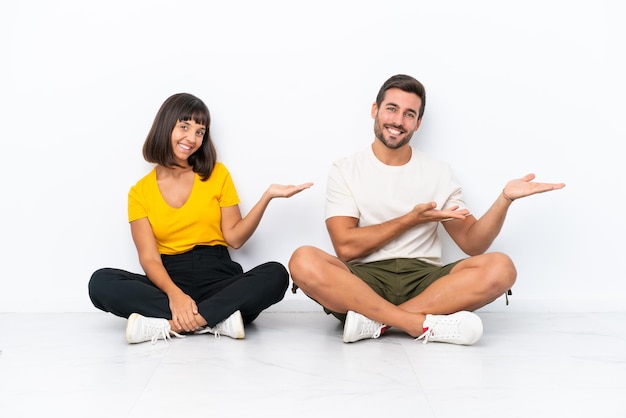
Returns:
(280, 190)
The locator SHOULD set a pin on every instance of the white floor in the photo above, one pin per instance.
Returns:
(294, 364)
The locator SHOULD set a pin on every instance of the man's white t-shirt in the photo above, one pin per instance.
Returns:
(362, 187)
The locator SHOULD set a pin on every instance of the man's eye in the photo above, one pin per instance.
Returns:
(410, 115)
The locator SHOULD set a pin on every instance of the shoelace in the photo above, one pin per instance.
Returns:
(205, 330)
(426, 336)
(445, 329)
(162, 332)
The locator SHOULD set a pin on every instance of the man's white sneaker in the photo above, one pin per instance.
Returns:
(464, 328)
(231, 327)
(140, 329)
(358, 327)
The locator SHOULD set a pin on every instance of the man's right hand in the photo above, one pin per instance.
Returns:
(426, 212)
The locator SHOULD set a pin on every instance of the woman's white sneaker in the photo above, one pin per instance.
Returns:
(231, 327)
(140, 329)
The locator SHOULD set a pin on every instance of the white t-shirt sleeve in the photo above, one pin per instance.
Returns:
(339, 199)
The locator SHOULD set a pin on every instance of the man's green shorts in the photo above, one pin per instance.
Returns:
(397, 280)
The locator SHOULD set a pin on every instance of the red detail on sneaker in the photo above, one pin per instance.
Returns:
(383, 329)
(424, 329)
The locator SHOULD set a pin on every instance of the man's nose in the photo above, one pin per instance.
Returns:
(398, 119)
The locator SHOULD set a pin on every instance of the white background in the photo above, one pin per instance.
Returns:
(513, 87)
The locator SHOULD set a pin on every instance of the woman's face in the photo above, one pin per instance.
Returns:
(187, 138)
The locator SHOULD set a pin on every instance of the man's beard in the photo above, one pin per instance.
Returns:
(380, 134)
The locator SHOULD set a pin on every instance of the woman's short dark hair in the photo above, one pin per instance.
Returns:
(158, 145)
(405, 83)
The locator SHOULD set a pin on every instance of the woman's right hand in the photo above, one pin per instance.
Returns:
(184, 312)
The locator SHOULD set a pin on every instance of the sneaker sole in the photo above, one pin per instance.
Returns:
(239, 332)
(347, 328)
(130, 324)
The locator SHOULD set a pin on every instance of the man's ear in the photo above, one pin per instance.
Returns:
(417, 125)
(374, 110)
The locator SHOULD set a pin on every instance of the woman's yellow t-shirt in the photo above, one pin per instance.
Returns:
(197, 222)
